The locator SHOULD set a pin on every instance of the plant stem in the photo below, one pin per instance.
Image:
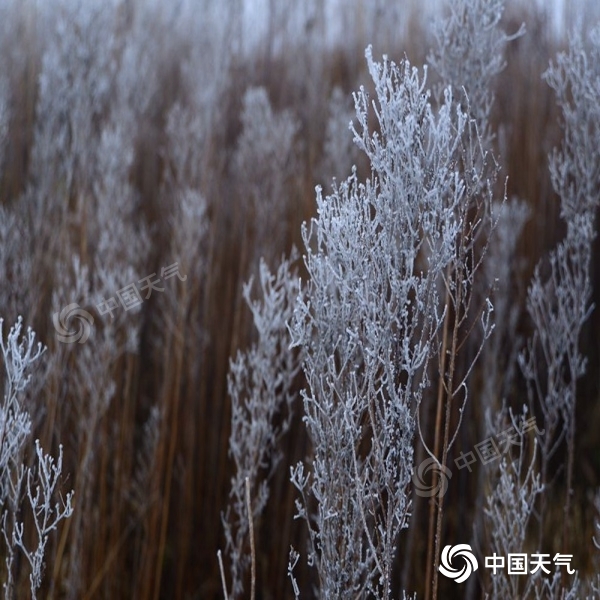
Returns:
(436, 451)
(252, 549)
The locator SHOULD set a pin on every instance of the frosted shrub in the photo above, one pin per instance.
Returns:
(263, 163)
(470, 54)
(113, 256)
(499, 359)
(260, 385)
(558, 303)
(559, 295)
(203, 33)
(137, 80)
(25, 490)
(19, 353)
(510, 506)
(182, 308)
(119, 240)
(186, 137)
(76, 80)
(40, 484)
(188, 221)
(376, 255)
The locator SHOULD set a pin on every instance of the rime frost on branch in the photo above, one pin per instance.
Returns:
(19, 353)
(470, 54)
(260, 385)
(376, 255)
(25, 490)
(559, 295)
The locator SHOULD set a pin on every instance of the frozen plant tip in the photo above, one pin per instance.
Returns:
(40, 486)
(19, 353)
(22, 486)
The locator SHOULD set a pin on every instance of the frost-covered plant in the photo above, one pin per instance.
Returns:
(140, 493)
(19, 353)
(499, 359)
(22, 487)
(261, 386)
(263, 162)
(186, 138)
(180, 309)
(559, 296)
(137, 80)
(376, 255)
(188, 221)
(510, 505)
(339, 151)
(76, 80)
(554, 588)
(39, 484)
(210, 44)
(120, 241)
(197, 117)
(88, 374)
(470, 54)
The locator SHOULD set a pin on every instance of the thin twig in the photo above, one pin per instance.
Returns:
(252, 549)
(223, 582)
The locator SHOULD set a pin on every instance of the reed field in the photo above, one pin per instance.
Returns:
(290, 305)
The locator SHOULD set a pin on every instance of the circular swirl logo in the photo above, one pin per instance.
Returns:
(425, 489)
(61, 321)
(461, 550)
